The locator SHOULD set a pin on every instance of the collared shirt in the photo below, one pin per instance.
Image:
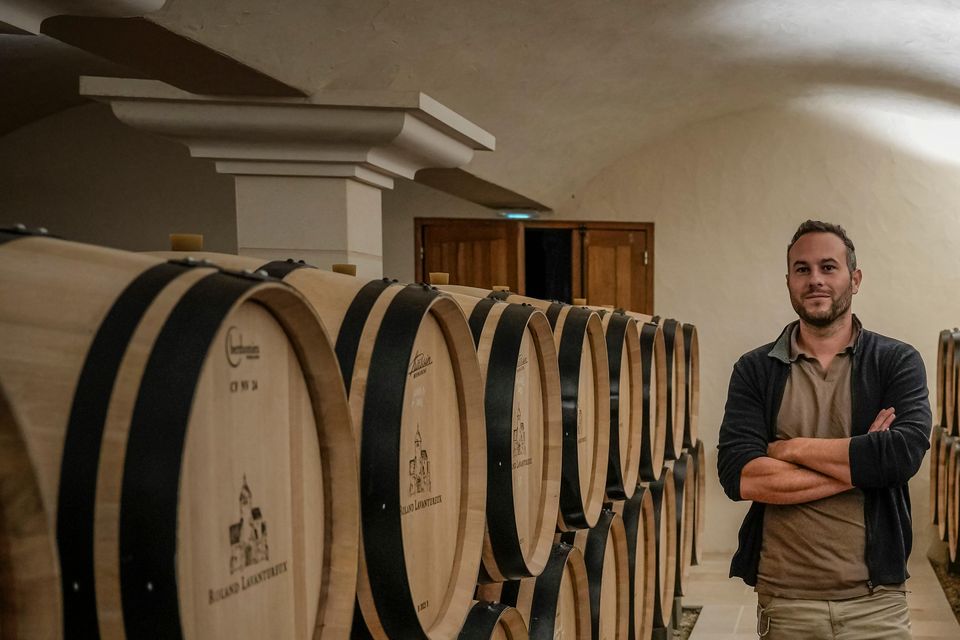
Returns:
(815, 550)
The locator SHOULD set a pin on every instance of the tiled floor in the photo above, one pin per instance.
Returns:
(729, 607)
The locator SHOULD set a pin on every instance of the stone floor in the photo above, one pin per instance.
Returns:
(729, 607)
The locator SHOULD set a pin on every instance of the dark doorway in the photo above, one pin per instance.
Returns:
(548, 260)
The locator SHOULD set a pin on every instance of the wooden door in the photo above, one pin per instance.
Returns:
(616, 268)
(476, 253)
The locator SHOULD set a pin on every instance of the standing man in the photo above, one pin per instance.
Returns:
(822, 430)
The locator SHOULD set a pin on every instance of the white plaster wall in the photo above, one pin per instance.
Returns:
(726, 196)
(87, 177)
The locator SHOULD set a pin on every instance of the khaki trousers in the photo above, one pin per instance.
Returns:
(881, 615)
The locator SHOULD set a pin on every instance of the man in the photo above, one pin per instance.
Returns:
(822, 430)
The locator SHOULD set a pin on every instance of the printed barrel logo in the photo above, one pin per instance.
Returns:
(418, 470)
(520, 458)
(237, 352)
(248, 547)
(419, 365)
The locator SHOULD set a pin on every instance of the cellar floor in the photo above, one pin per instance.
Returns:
(730, 607)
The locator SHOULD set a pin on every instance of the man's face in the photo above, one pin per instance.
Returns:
(820, 283)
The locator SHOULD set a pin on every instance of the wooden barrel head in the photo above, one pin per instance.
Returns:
(700, 510)
(953, 499)
(943, 460)
(493, 621)
(691, 347)
(641, 533)
(944, 356)
(665, 506)
(626, 404)
(936, 434)
(676, 387)
(585, 393)
(654, 377)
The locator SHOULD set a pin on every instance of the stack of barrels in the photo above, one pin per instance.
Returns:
(217, 445)
(945, 446)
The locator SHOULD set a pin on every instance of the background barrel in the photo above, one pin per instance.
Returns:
(943, 461)
(665, 506)
(699, 459)
(641, 530)
(407, 356)
(518, 361)
(556, 604)
(691, 367)
(945, 351)
(606, 557)
(493, 621)
(936, 434)
(684, 482)
(190, 421)
(676, 387)
(952, 491)
(626, 403)
(653, 358)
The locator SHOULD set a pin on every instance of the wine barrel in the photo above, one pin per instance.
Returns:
(945, 387)
(691, 368)
(943, 460)
(556, 604)
(518, 361)
(951, 423)
(936, 434)
(188, 421)
(606, 557)
(626, 403)
(676, 387)
(684, 482)
(952, 491)
(653, 358)
(641, 530)
(493, 621)
(585, 397)
(665, 506)
(699, 459)
(407, 358)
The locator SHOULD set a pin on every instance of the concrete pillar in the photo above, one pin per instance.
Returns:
(308, 171)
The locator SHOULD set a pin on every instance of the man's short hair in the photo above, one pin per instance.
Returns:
(817, 226)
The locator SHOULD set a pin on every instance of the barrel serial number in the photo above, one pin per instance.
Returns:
(241, 386)
(423, 605)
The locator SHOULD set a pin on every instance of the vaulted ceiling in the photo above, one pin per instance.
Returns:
(567, 86)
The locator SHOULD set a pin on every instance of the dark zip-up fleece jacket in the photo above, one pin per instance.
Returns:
(885, 373)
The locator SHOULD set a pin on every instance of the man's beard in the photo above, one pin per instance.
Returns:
(838, 306)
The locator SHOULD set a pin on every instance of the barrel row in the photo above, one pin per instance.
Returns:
(619, 578)
(948, 377)
(945, 488)
(548, 429)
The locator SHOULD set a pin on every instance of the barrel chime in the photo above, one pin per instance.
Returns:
(204, 445)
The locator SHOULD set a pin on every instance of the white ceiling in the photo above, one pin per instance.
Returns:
(570, 86)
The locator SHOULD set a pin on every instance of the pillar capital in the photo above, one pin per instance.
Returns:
(368, 136)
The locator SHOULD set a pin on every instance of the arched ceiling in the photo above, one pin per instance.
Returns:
(570, 86)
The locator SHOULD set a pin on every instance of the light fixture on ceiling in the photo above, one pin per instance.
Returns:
(519, 214)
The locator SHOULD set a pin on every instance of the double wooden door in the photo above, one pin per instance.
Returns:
(607, 263)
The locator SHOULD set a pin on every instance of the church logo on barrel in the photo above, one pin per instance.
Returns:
(519, 436)
(419, 467)
(248, 537)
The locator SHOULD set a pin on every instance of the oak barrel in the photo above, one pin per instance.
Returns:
(945, 383)
(585, 397)
(665, 507)
(676, 387)
(493, 621)
(936, 435)
(943, 461)
(518, 361)
(691, 368)
(699, 462)
(685, 490)
(952, 491)
(626, 403)
(407, 358)
(653, 358)
(194, 471)
(556, 604)
(607, 559)
(641, 529)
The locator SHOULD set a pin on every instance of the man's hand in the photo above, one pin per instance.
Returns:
(776, 482)
(883, 420)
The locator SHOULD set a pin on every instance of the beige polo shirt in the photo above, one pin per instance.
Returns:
(815, 550)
